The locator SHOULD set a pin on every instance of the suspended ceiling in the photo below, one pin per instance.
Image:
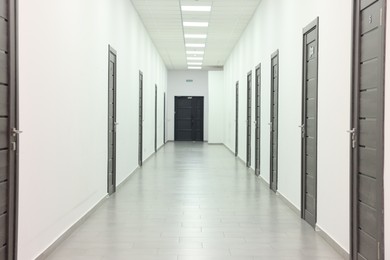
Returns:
(164, 19)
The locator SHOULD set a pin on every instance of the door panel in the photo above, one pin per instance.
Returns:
(140, 118)
(8, 129)
(258, 119)
(367, 131)
(274, 120)
(249, 121)
(189, 118)
(155, 118)
(197, 118)
(164, 124)
(309, 123)
(237, 117)
(3, 68)
(369, 75)
(111, 186)
(3, 229)
(368, 108)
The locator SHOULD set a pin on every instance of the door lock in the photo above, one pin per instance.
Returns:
(352, 132)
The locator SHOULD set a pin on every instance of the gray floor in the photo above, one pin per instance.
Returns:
(194, 201)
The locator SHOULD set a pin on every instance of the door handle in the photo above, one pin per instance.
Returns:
(16, 131)
(303, 130)
(352, 132)
(270, 126)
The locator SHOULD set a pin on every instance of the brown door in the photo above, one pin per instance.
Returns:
(367, 133)
(237, 110)
(8, 129)
(140, 118)
(309, 123)
(155, 117)
(258, 119)
(112, 124)
(274, 120)
(249, 121)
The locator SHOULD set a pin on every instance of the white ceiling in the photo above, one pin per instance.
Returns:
(163, 20)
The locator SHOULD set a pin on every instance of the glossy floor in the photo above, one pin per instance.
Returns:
(194, 201)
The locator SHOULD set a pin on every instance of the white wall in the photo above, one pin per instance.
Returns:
(216, 106)
(177, 86)
(63, 109)
(278, 24)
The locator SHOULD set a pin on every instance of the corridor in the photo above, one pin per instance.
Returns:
(194, 201)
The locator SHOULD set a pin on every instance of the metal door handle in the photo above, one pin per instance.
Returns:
(352, 132)
(303, 130)
(16, 131)
(116, 123)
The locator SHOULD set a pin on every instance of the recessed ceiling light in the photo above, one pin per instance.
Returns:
(195, 24)
(194, 68)
(195, 36)
(195, 63)
(195, 52)
(196, 8)
(194, 58)
(195, 45)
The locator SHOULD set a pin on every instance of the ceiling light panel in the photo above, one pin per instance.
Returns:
(195, 45)
(195, 24)
(194, 63)
(195, 52)
(194, 68)
(195, 36)
(194, 58)
(189, 8)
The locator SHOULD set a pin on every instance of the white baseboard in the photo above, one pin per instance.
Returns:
(332, 243)
(68, 232)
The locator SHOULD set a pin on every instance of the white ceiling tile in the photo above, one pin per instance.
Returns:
(163, 20)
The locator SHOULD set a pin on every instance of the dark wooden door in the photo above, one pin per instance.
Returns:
(164, 123)
(112, 124)
(9, 133)
(189, 118)
(309, 123)
(155, 118)
(249, 121)
(258, 119)
(274, 120)
(140, 119)
(237, 117)
(367, 133)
